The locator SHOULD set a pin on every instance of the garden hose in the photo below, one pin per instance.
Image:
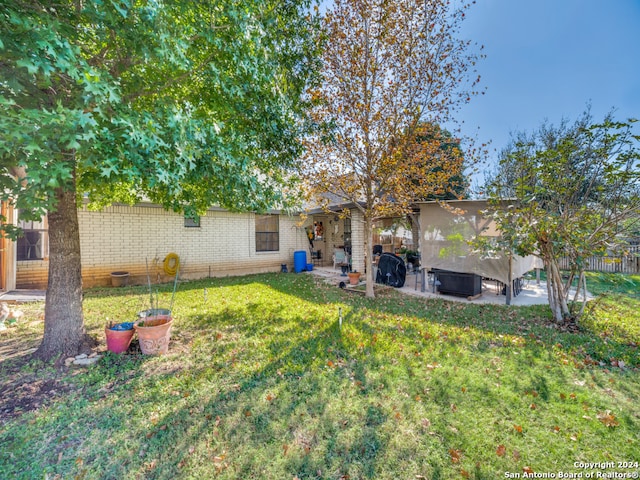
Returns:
(171, 264)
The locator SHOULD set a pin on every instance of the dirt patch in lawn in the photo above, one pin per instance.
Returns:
(20, 393)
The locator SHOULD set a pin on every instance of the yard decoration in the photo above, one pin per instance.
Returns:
(119, 336)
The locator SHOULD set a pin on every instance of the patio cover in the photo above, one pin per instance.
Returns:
(445, 235)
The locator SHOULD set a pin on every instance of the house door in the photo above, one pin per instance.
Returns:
(2, 270)
(7, 253)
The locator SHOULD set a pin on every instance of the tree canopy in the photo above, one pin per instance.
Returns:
(435, 166)
(186, 103)
(189, 103)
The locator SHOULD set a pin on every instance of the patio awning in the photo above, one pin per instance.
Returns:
(446, 234)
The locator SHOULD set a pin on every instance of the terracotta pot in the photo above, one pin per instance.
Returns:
(118, 340)
(154, 334)
(119, 279)
(354, 278)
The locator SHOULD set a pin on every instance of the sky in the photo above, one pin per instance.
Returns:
(548, 59)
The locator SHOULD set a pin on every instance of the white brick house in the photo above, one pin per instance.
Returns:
(128, 238)
(136, 239)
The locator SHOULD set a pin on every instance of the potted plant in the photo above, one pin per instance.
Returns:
(118, 336)
(411, 257)
(154, 325)
(354, 277)
(154, 331)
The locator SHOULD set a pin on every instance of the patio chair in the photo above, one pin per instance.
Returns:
(339, 257)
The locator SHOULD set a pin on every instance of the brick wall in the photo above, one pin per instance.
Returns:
(128, 238)
(31, 274)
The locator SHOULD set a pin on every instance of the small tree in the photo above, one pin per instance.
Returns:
(186, 103)
(391, 71)
(574, 188)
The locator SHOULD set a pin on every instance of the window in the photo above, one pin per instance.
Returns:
(34, 242)
(267, 233)
(191, 222)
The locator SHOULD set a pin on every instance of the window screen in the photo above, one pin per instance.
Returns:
(267, 233)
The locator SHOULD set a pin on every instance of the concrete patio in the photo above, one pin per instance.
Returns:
(532, 293)
(22, 296)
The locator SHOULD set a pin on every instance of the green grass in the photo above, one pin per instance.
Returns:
(613, 283)
(615, 314)
(262, 382)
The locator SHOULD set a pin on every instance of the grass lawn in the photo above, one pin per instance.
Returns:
(618, 298)
(261, 381)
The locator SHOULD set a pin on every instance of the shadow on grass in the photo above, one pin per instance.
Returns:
(284, 410)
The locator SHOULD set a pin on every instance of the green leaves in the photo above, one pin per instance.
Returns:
(190, 103)
(28, 64)
(574, 186)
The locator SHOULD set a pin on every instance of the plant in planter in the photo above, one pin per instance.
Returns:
(119, 336)
(412, 257)
(354, 277)
(154, 325)
(154, 333)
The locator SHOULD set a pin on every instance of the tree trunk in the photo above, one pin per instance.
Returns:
(582, 285)
(64, 332)
(368, 262)
(414, 221)
(556, 292)
(550, 297)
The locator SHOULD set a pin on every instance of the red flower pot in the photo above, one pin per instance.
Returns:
(118, 340)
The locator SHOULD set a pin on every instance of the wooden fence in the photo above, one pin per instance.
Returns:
(612, 264)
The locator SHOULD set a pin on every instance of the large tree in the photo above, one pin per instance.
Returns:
(572, 190)
(390, 69)
(186, 103)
